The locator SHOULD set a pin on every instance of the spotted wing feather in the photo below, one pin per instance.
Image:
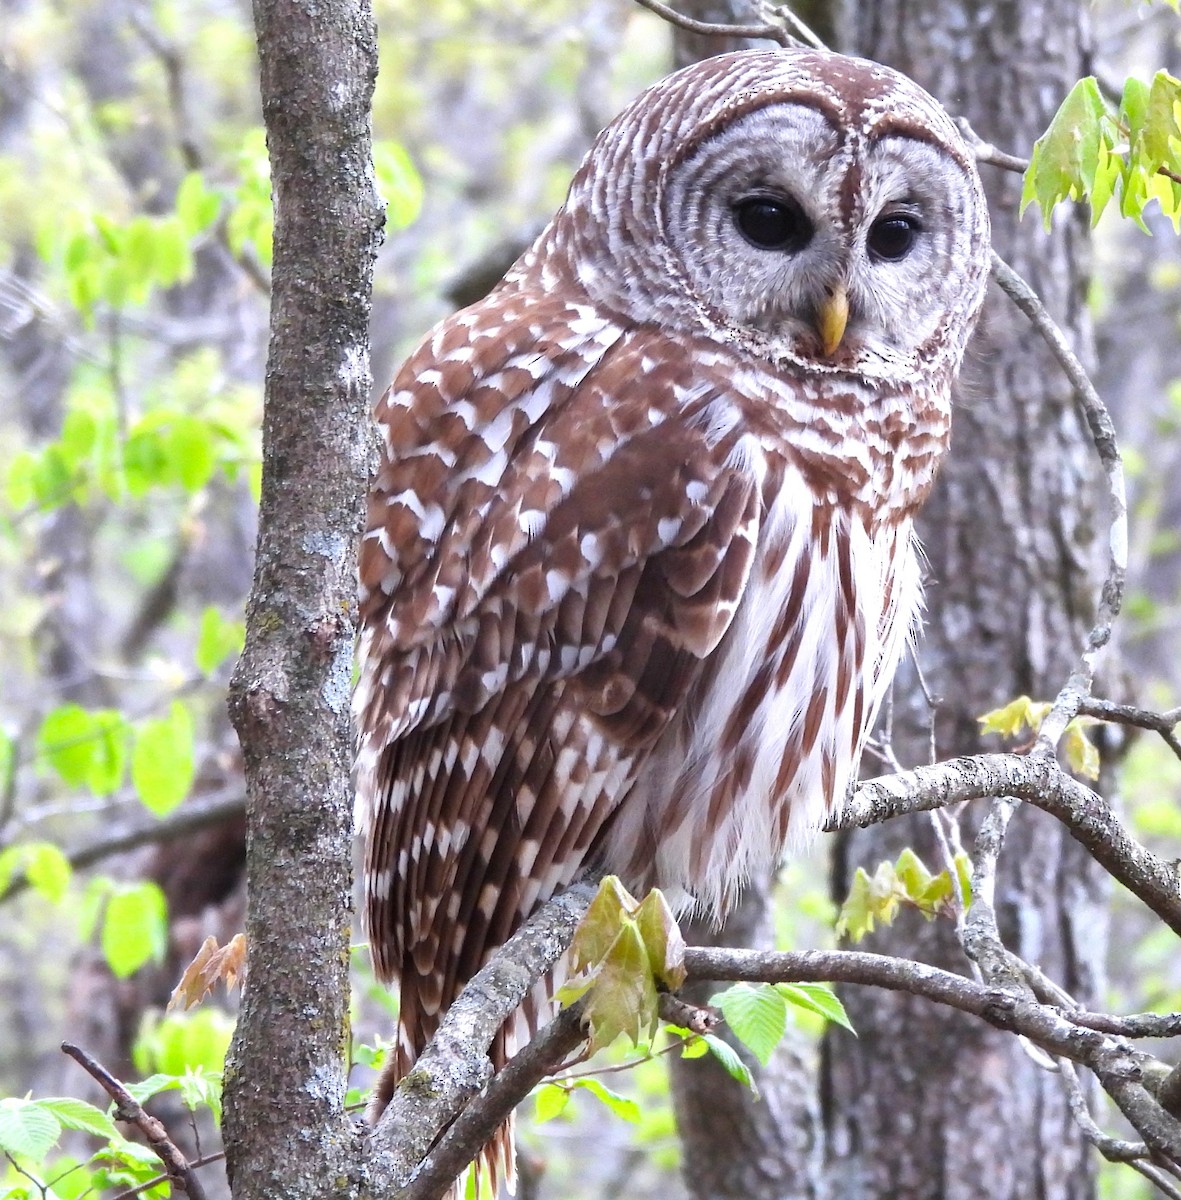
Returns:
(529, 639)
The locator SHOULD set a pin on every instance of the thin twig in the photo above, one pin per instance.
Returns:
(981, 937)
(1099, 422)
(139, 1189)
(803, 32)
(1126, 714)
(188, 820)
(1134, 1025)
(986, 152)
(774, 33)
(1112, 1149)
(179, 1170)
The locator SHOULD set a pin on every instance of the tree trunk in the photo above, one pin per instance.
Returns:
(924, 1103)
(736, 1145)
(290, 694)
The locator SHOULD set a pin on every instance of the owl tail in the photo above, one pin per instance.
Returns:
(495, 1166)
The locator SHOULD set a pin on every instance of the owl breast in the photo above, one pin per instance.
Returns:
(765, 746)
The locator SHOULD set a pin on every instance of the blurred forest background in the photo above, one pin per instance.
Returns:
(134, 256)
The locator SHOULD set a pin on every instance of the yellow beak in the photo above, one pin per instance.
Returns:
(832, 319)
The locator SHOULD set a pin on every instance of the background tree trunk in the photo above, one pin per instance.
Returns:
(923, 1103)
(736, 1145)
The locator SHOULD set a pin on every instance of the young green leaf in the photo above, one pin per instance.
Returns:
(27, 1128)
(1015, 717)
(599, 928)
(47, 869)
(1082, 755)
(621, 1106)
(549, 1101)
(85, 747)
(162, 763)
(77, 1114)
(662, 939)
(623, 998)
(1066, 156)
(217, 639)
(728, 1057)
(757, 1016)
(818, 998)
(135, 928)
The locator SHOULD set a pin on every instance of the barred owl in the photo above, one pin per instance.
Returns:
(640, 559)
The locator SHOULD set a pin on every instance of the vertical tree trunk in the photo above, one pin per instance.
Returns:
(736, 1145)
(926, 1104)
(286, 1130)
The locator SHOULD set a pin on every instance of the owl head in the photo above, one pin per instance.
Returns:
(812, 208)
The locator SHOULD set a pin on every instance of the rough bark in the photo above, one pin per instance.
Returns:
(925, 1103)
(286, 1131)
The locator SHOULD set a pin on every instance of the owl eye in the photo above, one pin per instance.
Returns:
(891, 238)
(772, 224)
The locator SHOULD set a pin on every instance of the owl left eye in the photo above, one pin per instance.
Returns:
(892, 237)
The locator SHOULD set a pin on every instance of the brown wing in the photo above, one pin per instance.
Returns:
(570, 569)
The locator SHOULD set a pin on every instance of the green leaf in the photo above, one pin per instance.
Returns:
(662, 939)
(19, 480)
(728, 1057)
(201, 1090)
(621, 1106)
(963, 868)
(217, 639)
(135, 928)
(77, 1114)
(196, 206)
(27, 1128)
(871, 899)
(1066, 156)
(145, 1089)
(189, 447)
(599, 928)
(549, 1101)
(695, 1047)
(162, 763)
(185, 1042)
(1082, 755)
(146, 462)
(398, 183)
(623, 997)
(85, 746)
(1015, 717)
(47, 869)
(818, 998)
(757, 1016)
(912, 872)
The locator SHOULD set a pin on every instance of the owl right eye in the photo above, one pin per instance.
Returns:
(771, 224)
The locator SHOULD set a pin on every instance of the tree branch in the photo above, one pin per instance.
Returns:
(127, 1108)
(454, 1066)
(1041, 782)
(185, 821)
(1102, 430)
(775, 33)
(1141, 718)
(477, 1123)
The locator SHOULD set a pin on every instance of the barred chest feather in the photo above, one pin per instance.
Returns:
(769, 742)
